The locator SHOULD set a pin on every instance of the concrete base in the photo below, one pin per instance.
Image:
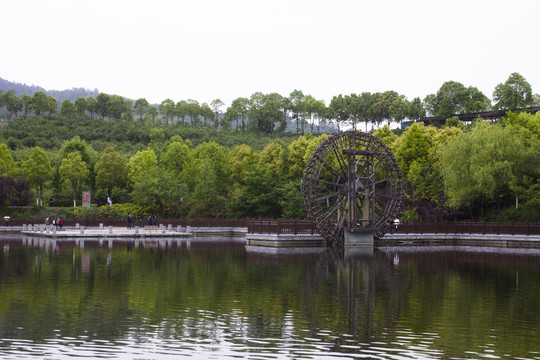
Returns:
(358, 238)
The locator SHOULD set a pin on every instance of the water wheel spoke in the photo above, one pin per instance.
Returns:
(331, 210)
(329, 196)
(329, 167)
(380, 181)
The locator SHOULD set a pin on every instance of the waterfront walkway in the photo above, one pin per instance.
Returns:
(275, 240)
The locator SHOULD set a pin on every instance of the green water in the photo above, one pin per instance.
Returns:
(212, 299)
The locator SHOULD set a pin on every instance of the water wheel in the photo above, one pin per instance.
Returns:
(351, 182)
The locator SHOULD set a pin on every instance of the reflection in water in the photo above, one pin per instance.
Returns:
(212, 299)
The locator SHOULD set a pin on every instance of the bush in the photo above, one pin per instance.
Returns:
(111, 211)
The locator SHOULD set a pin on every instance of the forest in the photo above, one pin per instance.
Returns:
(187, 159)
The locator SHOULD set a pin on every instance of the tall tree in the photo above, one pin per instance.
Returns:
(8, 168)
(91, 105)
(515, 93)
(80, 105)
(216, 105)
(74, 169)
(141, 106)
(167, 108)
(110, 170)
(67, 108)
(37, 170)
(102, 104)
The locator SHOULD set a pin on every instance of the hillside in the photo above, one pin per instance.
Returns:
(59, 95)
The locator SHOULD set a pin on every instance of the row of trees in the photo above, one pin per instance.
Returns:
(272, 112)
(468, 172)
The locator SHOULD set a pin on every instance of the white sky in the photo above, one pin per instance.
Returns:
(209, 49)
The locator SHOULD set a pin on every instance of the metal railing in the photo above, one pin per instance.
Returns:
(280, 226)
(116, 222)
(303, 226)
(468, 227)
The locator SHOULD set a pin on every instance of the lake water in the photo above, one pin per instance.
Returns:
(211, 299)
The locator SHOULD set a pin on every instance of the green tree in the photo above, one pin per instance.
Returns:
(141, 107)
(74, 169)
(91, 106)
(12, 103)
(176, 156)
(216, 105)
(8, 168)
(142, 161)
(102, 104)
(40, 102)
(80, 105)
(37, 170)
(515, 93)
(67, 108)
(27, 103)
(116, 106)
(167, 108)
(486, 165)
(110, 170)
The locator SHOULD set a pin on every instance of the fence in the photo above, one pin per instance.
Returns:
(469, 227)
(280, 226)
(137, 222)
(302, 226)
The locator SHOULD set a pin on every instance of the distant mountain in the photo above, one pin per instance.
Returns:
(59, 95)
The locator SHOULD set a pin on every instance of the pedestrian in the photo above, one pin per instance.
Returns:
(155, 220)
(109, 201)
(47, 221)
(61, 223)
(150, 220)
(396, 224)
(6, 220)
(129, 221)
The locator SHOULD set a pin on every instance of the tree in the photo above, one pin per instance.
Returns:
(27, 103)
(74, 169)
(141, 162)
(193, 110)
(176, 157)
(102, 104)
(238, 111)
(416, 111)
(40, 102)
(515, 93)
(8, 168)
(167, 108)
(116, 106)
(216, 106)
(140, 107)
(12, 103)
(264, 111)
(91, 105)
(76, 144)
(296, 101)
(80, 105)
(110, 170)
(37, 170)
(206, 113)
(487, 165)
(67, 108)
(454, 98)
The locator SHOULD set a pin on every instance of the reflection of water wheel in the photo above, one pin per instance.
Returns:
(351, 181)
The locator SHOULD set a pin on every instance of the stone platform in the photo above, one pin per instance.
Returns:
(40, 230)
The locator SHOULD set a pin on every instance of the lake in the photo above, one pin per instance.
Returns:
(211, 299)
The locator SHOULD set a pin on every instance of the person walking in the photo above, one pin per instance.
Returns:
(129, 221)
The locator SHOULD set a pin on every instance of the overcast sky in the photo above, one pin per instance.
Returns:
(210, 49)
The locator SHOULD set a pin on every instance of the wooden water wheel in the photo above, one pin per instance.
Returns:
(351, 182)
